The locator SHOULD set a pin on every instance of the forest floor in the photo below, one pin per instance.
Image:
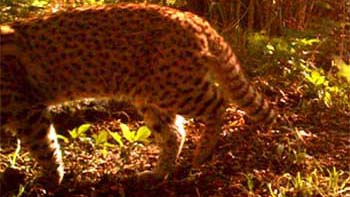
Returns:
(310, 157)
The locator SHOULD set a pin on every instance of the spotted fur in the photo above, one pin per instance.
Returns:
(164, 61)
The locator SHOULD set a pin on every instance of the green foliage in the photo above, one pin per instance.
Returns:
(21, 190)
(320, 85)
(141, 135)
(117, 138)
(133, 137)
(336, 185)
(171, 2)
(293, 150)
(315, 78)
(61, 137)
(344, 69)
(291, 52)
(39, 3)
(11, 10)
(317, 183)
(79, 132)
(250, 183)
(14, 9)
(295, 58)
(101, 140)
(13, 156)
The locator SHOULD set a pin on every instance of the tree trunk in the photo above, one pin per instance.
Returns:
(251, 13)
(301, 14)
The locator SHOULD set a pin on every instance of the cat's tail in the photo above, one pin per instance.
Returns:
(237, 87)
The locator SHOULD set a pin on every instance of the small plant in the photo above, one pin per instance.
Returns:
(117, 138)
(79, 132)
(21, 190)
(13, 156)
(332, 183)
(141, 135)
(101, 140)
(335, 184)
(250, 183)
(319, 84)
(17, 188)
(343, 68)
(133, 137)
(295, 58)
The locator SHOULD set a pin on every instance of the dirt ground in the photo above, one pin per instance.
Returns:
(246, 162)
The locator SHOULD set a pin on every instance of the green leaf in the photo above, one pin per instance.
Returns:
(21, 190)
(104, 151)
(61, 137)
(307, 42)
(80, 131)
(73, 133)
(116, 137)
(101, 138)
(13, 156)
(107, 144)
(344, 69)
(142, 134)
(250, 183)
(316, 78)
(40, 3)
(83, 128)
(171, 2)
(129, 135)
(327, 99)
(272, 193)
(282, 46)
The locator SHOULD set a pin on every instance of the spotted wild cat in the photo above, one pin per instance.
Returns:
(164, 61)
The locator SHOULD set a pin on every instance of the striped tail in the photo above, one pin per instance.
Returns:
(236, 87)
